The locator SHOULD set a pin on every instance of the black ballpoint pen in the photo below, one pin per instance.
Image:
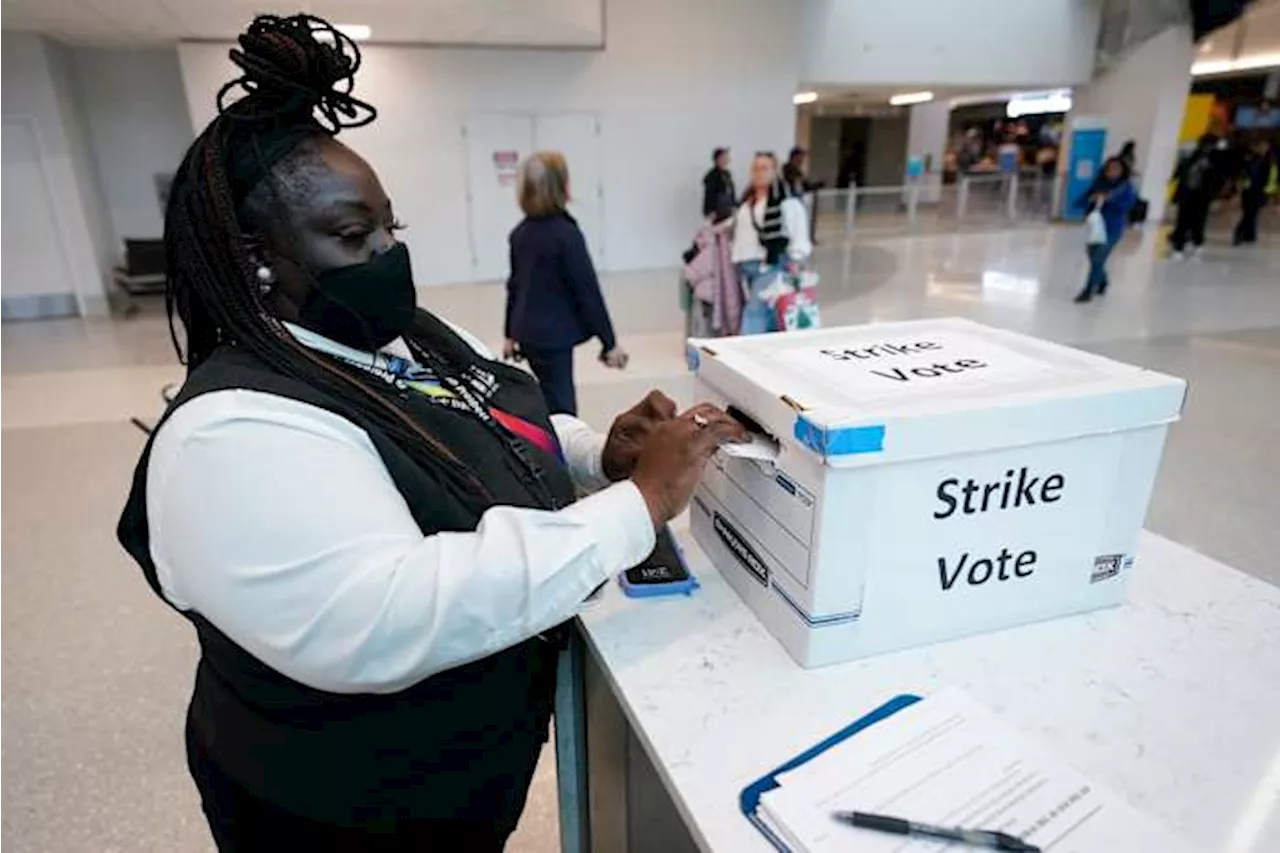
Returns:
(974, 837)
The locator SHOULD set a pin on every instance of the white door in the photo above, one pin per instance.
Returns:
(577, 137)
(495, 145)
(33, 262)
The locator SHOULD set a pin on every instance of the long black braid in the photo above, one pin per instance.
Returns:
(298, 75)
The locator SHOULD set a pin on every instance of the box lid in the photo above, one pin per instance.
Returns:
(865, 394)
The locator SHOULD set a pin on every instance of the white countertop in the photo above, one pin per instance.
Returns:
(1172, 700)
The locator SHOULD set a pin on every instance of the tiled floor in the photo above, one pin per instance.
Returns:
(98, 670)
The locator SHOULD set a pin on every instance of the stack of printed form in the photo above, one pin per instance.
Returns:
(946, 760)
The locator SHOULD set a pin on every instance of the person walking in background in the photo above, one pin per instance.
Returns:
(1198, 185)
(1258, 180)
(1129, 156)
(969, 154)
(795, 175)
(718, 194)
(554, 301)
(1112, 195)
(770, 236)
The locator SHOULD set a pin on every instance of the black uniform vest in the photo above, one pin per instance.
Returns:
(461, 744)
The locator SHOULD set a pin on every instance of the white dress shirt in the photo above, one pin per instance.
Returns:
(278, 522)
(795, 224)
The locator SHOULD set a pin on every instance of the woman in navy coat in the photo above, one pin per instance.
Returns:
(554, 301)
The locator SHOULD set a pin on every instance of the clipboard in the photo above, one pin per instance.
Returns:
(749, 799)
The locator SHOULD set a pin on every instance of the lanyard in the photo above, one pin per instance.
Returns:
(423, 380)
(438, 384)
(506, 427)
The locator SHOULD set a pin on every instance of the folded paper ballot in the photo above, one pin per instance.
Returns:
(946, 760)
(758, 448)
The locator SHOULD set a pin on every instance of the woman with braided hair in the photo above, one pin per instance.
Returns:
(370, 522)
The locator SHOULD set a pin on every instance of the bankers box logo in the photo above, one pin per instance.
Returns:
(738, 546)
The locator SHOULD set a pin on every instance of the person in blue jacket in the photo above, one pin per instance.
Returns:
(1113, 194)
(554, 301)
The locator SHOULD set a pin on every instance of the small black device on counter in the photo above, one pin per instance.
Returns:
(663, 572)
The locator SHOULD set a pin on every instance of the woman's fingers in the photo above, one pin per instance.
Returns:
(724, 429)
(700, 412)
(675, 455)
(657, 406)
(714, 426)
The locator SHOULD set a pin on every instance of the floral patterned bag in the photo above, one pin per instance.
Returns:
(796, 306)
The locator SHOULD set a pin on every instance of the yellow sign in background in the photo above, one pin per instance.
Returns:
(1196, 117)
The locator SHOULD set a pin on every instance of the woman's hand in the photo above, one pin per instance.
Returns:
(629, 432)
(510, 350)
(616, 358)
(675, 454)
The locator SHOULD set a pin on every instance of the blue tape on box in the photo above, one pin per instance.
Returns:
(692, 357)
(843, 441)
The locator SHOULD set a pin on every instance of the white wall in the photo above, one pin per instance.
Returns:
(1019, 43)
(675, 80)
(136, 115)
(79, 146)
(1143, 98)
(36, 88)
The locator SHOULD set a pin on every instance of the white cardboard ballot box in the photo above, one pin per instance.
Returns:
(932, 479)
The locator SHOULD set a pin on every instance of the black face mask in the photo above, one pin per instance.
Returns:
(365, 306)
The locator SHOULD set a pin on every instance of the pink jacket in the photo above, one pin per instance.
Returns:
(713, 279)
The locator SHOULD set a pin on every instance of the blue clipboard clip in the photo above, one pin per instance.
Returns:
(749, 799)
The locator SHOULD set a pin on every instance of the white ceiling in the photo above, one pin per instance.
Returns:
(536, 23)
(1255, 34)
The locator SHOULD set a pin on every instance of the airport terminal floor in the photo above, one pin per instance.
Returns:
(99, 671)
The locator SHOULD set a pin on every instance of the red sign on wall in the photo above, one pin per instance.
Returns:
(506, 164)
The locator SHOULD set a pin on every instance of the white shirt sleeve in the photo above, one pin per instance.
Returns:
(278, 522)
(795, 222)
(583, 451)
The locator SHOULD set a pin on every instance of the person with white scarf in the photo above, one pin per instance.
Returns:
(770, 237)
